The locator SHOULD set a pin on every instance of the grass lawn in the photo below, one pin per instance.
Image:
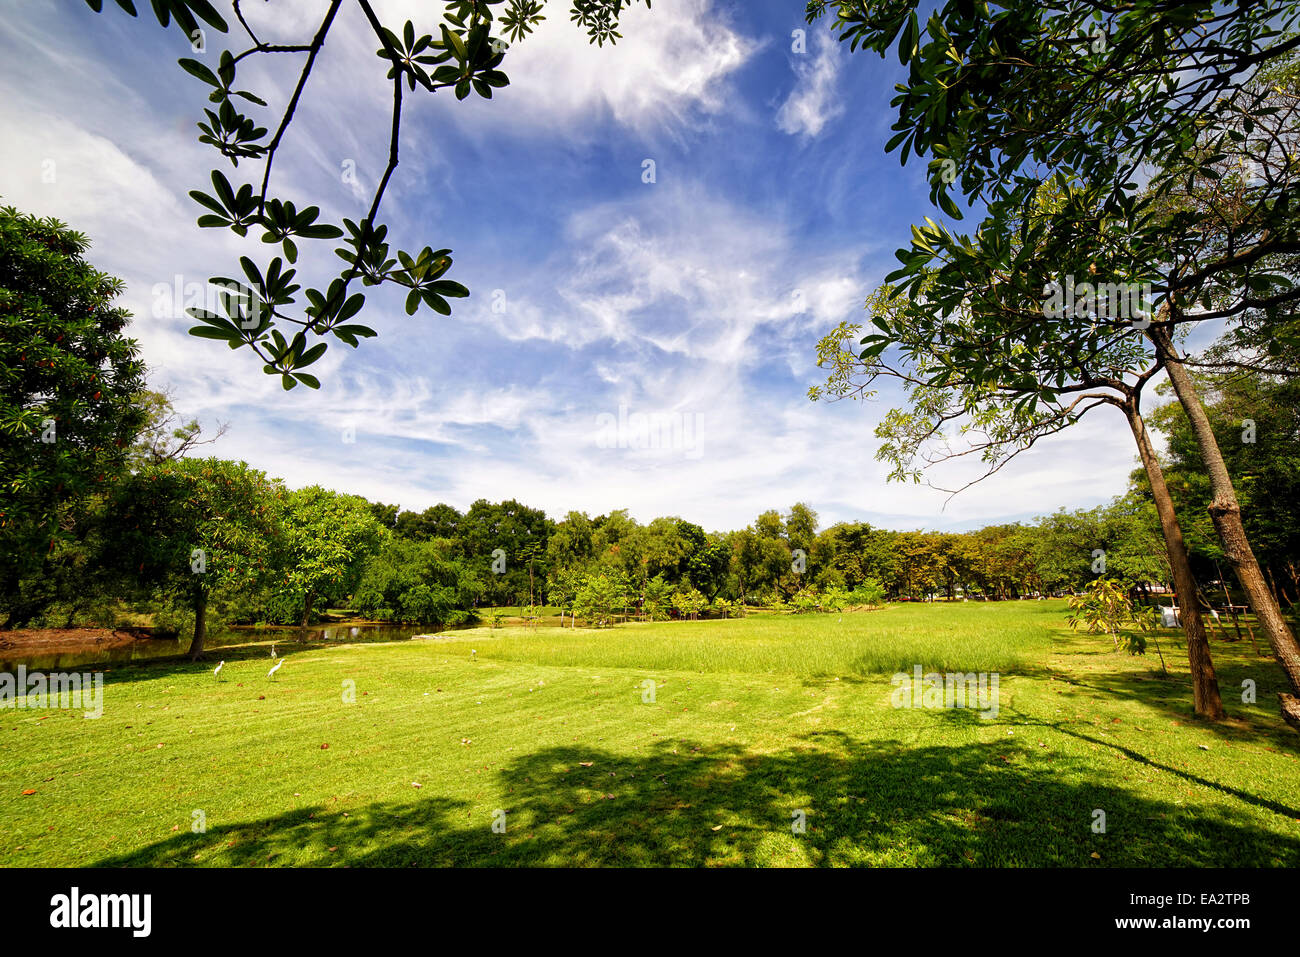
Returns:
(753, 721)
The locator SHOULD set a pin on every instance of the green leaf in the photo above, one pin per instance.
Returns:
(208, 332)
(907, 43)
(311, 355)
(195, 68)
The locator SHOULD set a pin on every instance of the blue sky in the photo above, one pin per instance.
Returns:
(691, 304)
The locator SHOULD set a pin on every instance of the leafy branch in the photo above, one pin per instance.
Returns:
(261, 310)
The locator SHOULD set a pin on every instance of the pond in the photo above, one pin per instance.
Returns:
(148, 649)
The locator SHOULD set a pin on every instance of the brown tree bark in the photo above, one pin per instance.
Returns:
(200, 624)
(1205, 683)
(1225, 513)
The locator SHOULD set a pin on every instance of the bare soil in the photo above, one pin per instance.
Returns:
(38, 641)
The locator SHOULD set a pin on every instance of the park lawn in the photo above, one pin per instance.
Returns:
(754, 722)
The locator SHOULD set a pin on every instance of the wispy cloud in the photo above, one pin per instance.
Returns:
(815, 99)
(596, 294)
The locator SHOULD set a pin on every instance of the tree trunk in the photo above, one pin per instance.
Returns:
(1227, 596)
(200, 624)
(1205, 684)
(306, 609)
(1225, 513)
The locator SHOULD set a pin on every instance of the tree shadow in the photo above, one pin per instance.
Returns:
(686, 804)
(1257, 723)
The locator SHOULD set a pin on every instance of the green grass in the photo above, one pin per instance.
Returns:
(753, 721)
(982, 637)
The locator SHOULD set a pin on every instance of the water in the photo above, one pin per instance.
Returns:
(150, 649)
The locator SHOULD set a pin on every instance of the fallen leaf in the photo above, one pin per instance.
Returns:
(30, 791)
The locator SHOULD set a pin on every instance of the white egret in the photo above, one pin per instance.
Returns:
(217, 670)
(277, 667)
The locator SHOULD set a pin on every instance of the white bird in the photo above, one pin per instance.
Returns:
(217, 670)
(472, 652)
(277, 667)
(273, 649)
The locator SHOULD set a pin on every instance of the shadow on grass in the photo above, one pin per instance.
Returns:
(1256, 723)
(869, 803)
(1013, 719)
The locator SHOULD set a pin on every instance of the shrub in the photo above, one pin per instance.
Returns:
(690, 602)
(869, 592)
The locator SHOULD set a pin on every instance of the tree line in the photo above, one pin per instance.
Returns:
(108, 503)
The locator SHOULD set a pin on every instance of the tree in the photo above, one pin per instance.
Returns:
(1105, 607)
(194, 529)
(505, 544)
(868, 592)
(417, 581)
(598, 596)
(801, 526)
(328, 538)
(462, 54)
(708, 565)
(562, 591)
(689, 602)
(385, 515)
(163, 437)
(436, 521)
(657, 599)
(1254, 419)
(570, 546)
(982, 362)
(68, 385)
(1090, 100)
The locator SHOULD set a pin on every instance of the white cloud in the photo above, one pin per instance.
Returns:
(813, 102)
(670, 67)
(674, 300)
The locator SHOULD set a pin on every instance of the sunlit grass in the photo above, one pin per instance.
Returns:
(974, 636)
(752, 723)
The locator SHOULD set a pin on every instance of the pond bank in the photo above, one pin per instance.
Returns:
(60, 649)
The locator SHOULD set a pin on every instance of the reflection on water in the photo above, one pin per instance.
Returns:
(149, 649)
